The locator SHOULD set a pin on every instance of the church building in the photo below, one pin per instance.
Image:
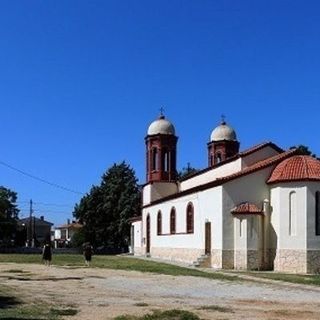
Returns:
(256, 209)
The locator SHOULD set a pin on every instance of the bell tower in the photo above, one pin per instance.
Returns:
(161, 151)
(223, 144)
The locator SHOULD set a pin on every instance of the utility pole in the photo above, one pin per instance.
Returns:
(30, 233)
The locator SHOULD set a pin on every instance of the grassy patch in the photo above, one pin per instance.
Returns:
(63, 312)
(119, 263)
(214, 307)
(292, 278)
(13, 308)
(173, 314)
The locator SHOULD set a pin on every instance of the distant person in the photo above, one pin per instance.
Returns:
(87, 253)
(47, 254)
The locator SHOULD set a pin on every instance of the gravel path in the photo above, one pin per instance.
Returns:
(104, 294)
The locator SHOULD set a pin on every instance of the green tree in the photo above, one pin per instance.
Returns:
(8, 213)
(304, 150)
(187, 172)
(105, 210)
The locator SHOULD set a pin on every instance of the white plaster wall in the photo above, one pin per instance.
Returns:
(250, 236)
(157, 190)
(207, 207)
(251, 188)
(57, 234)
(313, 241)
(240, 233)
(211, 175)
(137, 233)
(259, 155)
(280, 215)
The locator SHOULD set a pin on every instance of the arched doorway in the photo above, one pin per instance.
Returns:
(148, 235)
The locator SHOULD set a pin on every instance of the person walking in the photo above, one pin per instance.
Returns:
(47, 254)
(87, 253)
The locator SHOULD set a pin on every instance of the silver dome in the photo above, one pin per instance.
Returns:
(161, 126)
(223, 132)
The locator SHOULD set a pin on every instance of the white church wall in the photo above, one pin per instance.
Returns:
(248, 246)
(291, 218)
(251, 188)
(137, 225)
(313, 240)
(211, 175)
(258, 155)
(240, 242)
(288, 219)
(157, 190)
(182, 245)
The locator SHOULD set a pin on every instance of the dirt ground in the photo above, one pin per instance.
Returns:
(103, 294)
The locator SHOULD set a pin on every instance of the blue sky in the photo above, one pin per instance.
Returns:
(80, 81)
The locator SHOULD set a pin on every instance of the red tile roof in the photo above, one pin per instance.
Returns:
(246, 208)
(299, 167)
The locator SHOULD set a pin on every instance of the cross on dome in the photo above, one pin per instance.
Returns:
(161, 113)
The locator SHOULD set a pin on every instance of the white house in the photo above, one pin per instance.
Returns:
(257, 209)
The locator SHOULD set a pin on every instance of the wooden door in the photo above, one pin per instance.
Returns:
(148, 235)
(207, 243)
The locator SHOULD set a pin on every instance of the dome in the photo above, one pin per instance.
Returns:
(161, 126)
(223, 132)
(296, 168)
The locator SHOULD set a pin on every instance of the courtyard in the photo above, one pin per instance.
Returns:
(77, 292)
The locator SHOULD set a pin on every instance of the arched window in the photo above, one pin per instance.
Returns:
(148, 234)
(154, 159)
(173, 221)
(317, 213)
(190, 218)
(159, 223)
(218, 158)
(165, 160)
(292, 213)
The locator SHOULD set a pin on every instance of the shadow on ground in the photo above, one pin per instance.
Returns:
(41, 279)
(8, 302)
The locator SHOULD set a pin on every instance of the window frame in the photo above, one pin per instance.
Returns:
(173, 221)
(159, 223)
(190, 218)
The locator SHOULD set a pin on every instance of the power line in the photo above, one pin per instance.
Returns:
(40, 179)
(48, 204)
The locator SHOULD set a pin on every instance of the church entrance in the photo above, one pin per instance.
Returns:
(148, 235)
(207, 243)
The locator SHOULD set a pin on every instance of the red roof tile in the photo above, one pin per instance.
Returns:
(246, 208)
(299, 167)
